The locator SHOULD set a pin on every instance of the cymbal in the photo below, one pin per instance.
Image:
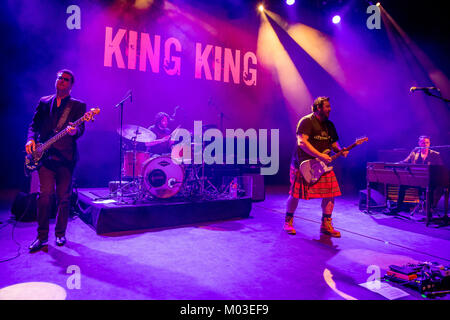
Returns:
(137, 133)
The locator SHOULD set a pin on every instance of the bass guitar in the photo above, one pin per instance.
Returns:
(33, 161)
(313, 169)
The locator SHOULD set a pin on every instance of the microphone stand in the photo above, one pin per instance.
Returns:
(221, 120)
(444, 220)
(428, 93)
(119, 190)
(446, 194)
(220, 114)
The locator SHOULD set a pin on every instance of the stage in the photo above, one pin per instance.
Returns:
(107, 214)
(233, 259)
(206, 110)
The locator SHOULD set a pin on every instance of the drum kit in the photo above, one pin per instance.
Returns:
(152, 176)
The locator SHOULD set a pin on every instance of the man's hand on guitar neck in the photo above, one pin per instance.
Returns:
(344, 152)
(337, 148)
(71, 130)
(30, 146)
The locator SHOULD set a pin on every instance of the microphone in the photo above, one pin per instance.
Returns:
(422, 89)
(129, 95)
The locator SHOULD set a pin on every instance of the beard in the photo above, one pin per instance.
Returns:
(324, 115)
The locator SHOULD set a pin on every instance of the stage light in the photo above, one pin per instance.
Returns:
(290, 2)
(33, 291)
(378, 4)
(143, 4)
(336, 19)
(261, 8)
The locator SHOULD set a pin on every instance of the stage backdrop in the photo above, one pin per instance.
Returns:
(211, 61)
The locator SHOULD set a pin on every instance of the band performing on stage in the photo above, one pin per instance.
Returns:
(152, 168)
(215, 150)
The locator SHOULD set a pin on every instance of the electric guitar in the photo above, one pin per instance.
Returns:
(313, 169)
(33, 161)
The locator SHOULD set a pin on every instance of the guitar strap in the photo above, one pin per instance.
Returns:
(64, 116)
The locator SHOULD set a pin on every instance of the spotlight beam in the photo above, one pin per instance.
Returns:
(273, 56)
(317, 46)
(437, 76)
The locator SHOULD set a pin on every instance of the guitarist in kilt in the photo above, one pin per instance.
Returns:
(315, 134)
(53, 114)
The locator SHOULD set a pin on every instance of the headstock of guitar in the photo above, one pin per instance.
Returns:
(89, 116)
(361, 140)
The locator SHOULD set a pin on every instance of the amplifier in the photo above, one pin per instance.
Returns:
(254, 185)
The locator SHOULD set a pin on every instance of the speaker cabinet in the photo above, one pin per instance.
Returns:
(254, 185)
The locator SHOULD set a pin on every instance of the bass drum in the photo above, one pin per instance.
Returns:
(162, 178)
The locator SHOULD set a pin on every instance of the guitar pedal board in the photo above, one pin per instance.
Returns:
(427, 277)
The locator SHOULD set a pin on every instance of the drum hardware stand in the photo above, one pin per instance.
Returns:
(134, 187)
(209, 185)
(204, 178)
(199, 175)
(130, 168)
(134, 183)
(128, 189)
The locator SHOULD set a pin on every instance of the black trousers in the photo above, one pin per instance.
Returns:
(54, 177)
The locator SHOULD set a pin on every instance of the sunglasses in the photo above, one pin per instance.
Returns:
(63, 78)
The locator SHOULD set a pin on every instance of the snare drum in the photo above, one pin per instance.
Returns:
(141, 157)
(162, 178)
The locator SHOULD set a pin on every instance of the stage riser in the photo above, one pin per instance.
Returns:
(106, 218)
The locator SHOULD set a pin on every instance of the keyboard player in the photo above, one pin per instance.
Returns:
(420, 155)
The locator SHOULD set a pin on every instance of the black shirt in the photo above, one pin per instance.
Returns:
(161, 148)
(433, 158)
(321, 136)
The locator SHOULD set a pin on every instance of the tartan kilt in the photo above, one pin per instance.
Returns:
(326, 187)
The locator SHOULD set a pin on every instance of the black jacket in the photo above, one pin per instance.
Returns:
(43, 125)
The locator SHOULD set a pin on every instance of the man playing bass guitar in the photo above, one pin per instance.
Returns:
(55, 113)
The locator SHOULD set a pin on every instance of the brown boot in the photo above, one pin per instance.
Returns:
(289, 225)
(327, 228)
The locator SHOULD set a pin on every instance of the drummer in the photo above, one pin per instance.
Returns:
(162, 144)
